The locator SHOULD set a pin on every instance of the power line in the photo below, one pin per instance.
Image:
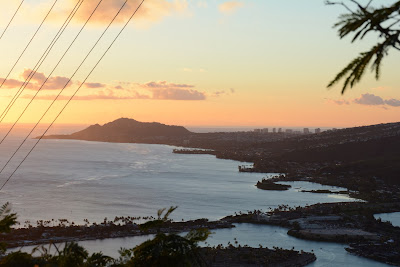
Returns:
(26, 47)
(55, 67)
(41, 60)
(12, 19)
(94, 10)
(69, 100)
(76, 9)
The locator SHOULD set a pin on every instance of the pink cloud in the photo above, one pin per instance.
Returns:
(393, 102)
(165, 85)
(95, 85)
(173, 91)
(178, 94)
(369, 100)
(52, 83)
(339, 102)
(11, 83)
(151, 11)
(223, 92)
(108, 95)
(161, 90)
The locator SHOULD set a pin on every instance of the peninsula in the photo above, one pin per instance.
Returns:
(125, 130)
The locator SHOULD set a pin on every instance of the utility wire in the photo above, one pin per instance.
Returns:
(69, 100)
(41, 60)
(26, 47)
(55, 67)
(94, 10)
(12, 19)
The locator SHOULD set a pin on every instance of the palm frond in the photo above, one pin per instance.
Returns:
(169, 211)
(360, 22)
(7, 219)
(356, 68)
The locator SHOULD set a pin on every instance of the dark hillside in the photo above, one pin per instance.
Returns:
(125, 130)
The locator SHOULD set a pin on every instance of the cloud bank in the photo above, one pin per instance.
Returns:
(369, 100)
(37, 81)
(172, 91)
(153, 90)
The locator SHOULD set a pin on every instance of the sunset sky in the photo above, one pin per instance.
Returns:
(197, 62)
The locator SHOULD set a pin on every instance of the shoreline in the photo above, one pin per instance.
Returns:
(59, 234)
(351, 236)
(350, 223)
(214, 256)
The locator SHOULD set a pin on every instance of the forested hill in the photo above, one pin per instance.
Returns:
(125, 131)
(364, 151)
(381, 140)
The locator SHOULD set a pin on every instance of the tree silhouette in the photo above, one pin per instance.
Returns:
(360, 21)
(163, 250)
(7, 220)
(98, 259)
(168, 250)
(19, 259)
(71, 255)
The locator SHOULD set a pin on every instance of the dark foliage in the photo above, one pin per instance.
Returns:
(359, 22)
(7, 220)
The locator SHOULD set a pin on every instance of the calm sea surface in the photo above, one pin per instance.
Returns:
(393, 217)
(76, 180)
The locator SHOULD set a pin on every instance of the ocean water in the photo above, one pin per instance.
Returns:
(79, 180)
(393, 217)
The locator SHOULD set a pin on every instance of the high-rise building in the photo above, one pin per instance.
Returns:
(306, 131)
(279, 130)
(318, 130)
(265, 130)
(274, 130)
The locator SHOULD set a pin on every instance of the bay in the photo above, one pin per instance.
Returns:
(79, 180)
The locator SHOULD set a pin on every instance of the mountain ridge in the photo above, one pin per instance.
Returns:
(125, 130)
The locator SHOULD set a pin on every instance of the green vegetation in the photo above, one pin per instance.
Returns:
(168, 250)
(162, 250)
(266, 184)
(360, 21)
